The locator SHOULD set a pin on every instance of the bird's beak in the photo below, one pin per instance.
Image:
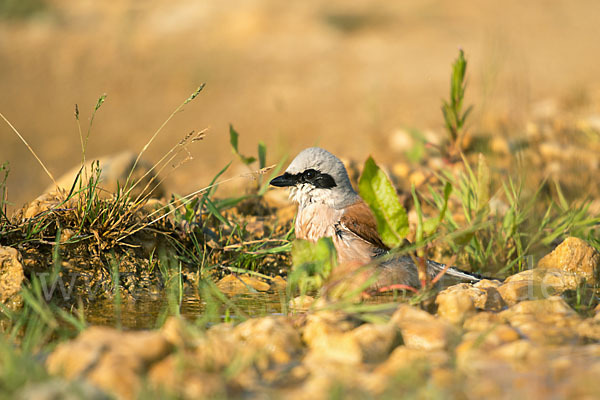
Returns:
(284, 180)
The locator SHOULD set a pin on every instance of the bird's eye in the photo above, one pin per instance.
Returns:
(310, 174)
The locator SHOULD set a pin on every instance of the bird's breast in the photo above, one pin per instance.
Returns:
(315, 221)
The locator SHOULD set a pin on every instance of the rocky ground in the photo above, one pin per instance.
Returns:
(513, 339)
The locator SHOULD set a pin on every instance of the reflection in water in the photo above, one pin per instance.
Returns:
(150, 311)
(147, 312)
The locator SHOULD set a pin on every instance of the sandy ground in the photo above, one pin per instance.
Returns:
(292, 74)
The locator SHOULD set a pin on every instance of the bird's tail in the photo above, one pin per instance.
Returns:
(402, 270)
(434, 268)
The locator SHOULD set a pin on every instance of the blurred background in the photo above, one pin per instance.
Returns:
(347, 76)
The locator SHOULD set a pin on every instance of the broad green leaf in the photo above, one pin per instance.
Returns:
(379, 193)
(313, 262)
(323, 251)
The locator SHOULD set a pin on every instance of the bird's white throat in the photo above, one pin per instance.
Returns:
(306, 194)
(337, 198)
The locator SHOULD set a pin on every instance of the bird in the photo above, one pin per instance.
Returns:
(328, 206)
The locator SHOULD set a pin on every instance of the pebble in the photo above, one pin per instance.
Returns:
(455, 303)
(576, 258)
(421, 330)
(11, 276)
(234, 284)
(108, 358)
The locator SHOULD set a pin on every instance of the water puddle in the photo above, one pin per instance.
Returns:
(147, 312)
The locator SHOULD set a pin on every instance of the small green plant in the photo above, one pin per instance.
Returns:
(454, 116)
(313, 262)
(496, 234)
(19, 369)
(261, 184)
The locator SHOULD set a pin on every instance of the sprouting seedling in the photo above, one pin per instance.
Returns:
(247, 160)
(454, 116)
(233, 140)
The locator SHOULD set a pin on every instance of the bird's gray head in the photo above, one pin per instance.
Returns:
(317, 176)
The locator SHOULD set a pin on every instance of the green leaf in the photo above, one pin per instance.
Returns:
(562, 201)
(313, 262)
(323, 251)
(262, 155)
(229, 202)
(432, 224)
(419, 234)
(285, 248)
(212, 186)
(458, 75)
(233, 139)
(454, 118)
(379, 193)
(213, 210)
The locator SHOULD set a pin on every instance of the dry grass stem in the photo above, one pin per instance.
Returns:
(30, 149)
(255, 174)
(190, 138)
(193, 96)
(186, 200)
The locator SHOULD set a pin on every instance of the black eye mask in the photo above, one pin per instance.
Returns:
(312, 176)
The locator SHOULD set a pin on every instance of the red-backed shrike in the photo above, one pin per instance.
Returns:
(328, 206)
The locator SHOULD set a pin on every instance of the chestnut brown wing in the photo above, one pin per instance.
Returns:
(359, 219)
